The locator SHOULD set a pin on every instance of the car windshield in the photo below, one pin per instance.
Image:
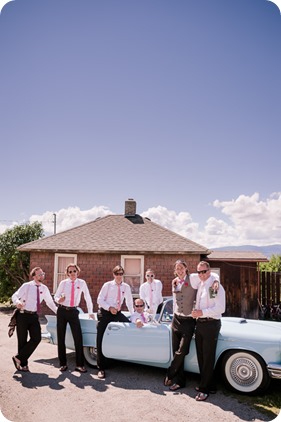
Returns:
(167, 311)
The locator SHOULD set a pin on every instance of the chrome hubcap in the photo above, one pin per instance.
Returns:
(244, 371)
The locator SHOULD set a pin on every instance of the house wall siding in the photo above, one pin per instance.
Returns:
(96, 269)
(239, 280)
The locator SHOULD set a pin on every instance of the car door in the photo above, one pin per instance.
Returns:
(150, 344)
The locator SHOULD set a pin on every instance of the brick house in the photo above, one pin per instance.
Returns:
(129, 239)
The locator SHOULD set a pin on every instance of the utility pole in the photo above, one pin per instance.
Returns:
(55, 223)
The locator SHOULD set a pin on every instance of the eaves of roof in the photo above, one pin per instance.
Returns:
(237, 256)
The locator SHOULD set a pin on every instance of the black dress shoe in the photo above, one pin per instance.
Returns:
(63, 368)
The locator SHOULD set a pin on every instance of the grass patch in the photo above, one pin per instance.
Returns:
(269, 403)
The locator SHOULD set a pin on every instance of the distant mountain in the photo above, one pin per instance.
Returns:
(266, 250)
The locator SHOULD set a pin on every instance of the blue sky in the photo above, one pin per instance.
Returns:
(173, 103)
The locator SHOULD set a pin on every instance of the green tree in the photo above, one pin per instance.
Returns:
(274, 264)
(14, 265)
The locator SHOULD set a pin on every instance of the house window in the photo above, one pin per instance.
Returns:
(216, 270)
(134, 270)
(61, 262)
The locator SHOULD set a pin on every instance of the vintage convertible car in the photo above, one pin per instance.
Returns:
(248, 352)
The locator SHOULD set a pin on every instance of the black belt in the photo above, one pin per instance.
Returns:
(24, 311)
(67, 308)
(206, 319)
(185, 317)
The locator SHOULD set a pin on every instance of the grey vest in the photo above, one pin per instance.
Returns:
(184, 299)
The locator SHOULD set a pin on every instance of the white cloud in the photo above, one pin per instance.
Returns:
(67, 218)
(4, 227)
(249, 221)
(245, 220)
(254, 221)
(180, 223)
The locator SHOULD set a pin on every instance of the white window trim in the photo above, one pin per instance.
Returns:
(216, 270)
(141, 257)
(57, 256)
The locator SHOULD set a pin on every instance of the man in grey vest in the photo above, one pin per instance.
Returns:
(183, 324)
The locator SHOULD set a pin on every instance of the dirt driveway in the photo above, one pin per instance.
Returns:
(130, 392)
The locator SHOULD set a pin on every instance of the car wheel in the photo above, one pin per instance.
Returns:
(90, 354)
(245, 372)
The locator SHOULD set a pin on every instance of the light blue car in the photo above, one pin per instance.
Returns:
(248, 351)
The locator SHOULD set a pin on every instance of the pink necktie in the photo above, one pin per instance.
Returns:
(142, 317)
(118, 297)
(72, 294)
(38, 300)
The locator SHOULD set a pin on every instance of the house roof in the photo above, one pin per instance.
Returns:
(238, 256)
(117, 233)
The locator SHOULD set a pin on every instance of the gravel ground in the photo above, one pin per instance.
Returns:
(128, 393)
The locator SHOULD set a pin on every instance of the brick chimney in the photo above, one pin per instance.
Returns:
(130, 208)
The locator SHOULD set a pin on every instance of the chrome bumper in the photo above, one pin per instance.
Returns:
(274, 370)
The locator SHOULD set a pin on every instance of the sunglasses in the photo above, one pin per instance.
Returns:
(139, 306)
(202, 272)
(118, 273)
(150, 275)
(72, 271)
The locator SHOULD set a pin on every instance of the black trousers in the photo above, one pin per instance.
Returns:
(27, 324)
(71, 317)
(206, 338)
(182, 332)
(104, 318)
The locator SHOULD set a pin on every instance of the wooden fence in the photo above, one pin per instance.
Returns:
(270, 295)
